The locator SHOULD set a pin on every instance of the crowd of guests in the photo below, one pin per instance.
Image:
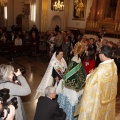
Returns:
(82, 71)
(66, 41)
(45, 43)
(83, 94)
(93, 66)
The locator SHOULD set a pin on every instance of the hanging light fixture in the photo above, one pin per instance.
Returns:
(3, 2)
(58, 6)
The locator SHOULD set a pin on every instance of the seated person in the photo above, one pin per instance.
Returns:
(3, 38)
(26, 39)
(18, 41)
(47, 108)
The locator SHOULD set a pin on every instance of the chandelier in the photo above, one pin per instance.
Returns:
(58, 6)
(3, 2)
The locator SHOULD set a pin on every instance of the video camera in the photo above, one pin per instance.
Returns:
(4, 96)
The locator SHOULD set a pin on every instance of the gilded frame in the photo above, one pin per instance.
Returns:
(79, 9)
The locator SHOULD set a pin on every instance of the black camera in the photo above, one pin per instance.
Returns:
(4, 96)
(23, 71)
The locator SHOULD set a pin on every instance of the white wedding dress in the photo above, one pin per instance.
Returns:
(47, 79)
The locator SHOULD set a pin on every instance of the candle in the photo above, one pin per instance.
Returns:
(115, 26)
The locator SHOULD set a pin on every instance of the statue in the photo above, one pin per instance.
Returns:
(80, 9)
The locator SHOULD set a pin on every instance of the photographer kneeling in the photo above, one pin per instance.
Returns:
(16, 90)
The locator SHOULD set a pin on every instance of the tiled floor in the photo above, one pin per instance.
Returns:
(34, 72)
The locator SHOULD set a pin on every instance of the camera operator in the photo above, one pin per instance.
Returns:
(11, 114)
(16, 90)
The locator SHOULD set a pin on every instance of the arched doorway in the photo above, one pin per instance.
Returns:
(56, 20)
(19, 21)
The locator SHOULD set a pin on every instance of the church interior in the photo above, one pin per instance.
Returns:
(96, 19)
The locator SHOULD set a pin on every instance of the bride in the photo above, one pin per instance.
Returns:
(53, 74)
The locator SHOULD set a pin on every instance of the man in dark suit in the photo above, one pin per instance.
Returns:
(47, 108)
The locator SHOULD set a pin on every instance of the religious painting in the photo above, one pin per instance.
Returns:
(79, 9)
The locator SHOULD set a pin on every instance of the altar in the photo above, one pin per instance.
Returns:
(115, 40)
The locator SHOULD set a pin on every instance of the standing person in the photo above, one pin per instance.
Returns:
(98, 45)
(92, 44)
(117, 56)
(34, 44)
(70, 88)
(72, 44)
(53, 74)
(57, 28)
(47, 108)
(89, 61)
(16, 90)
(58, 41)
(66, 46)
(12, 36)
(34, 29)
(51, 41)
(99, 96)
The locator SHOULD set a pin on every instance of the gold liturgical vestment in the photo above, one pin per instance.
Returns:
(99, 96)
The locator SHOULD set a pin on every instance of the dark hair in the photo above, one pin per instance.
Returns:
(91, 54)
(59, 32)
(58, 51)
(107, 51)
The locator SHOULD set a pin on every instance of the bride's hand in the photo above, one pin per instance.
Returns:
(57, 79)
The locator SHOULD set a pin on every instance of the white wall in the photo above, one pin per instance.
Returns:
(51, 14)
(78, 23)
(10, 14)
(15, 8)
(38, 13)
